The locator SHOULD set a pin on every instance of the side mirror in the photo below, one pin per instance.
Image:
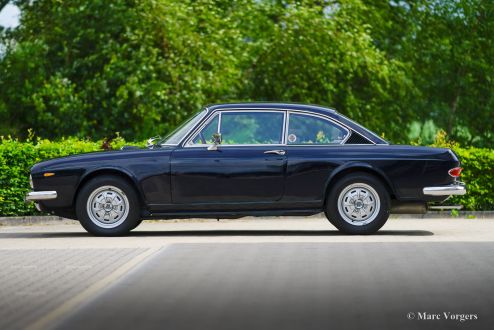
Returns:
(150, 141)
(216, 142)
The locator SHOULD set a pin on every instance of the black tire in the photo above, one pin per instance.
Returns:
(120, 205)
(345, 211)
(137, 224)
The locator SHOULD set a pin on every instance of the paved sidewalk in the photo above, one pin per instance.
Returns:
(34, 282)
(157, 233)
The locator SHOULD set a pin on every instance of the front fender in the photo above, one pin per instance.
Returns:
(109, 170)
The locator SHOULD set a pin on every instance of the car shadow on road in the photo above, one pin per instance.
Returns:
(273, 233)
(212, 233)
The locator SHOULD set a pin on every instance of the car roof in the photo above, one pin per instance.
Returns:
(271, 105)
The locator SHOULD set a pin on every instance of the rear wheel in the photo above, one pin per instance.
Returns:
(108, 206)
(358, 204)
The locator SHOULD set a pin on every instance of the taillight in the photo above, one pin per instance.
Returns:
(455, 172)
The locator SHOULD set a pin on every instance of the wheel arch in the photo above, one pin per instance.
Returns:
(114, 172)
(347, 169)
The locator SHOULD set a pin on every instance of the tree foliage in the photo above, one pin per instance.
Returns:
(325, 55)
(449, 46)
(93, 68)
(90, 68)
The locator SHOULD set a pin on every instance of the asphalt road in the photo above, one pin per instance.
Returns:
(250, 274)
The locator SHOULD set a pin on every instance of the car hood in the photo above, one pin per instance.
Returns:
(98, 156)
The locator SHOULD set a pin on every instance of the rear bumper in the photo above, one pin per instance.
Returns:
(40, 196)
(452, 189)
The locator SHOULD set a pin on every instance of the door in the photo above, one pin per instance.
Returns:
(313, 146)
(247, 167)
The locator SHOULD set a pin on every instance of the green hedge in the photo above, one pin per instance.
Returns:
(478, 174)
(17, 157)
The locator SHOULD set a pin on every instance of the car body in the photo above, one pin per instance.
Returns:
(250, 159)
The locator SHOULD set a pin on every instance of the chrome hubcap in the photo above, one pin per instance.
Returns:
(108, 207)
(359, 204)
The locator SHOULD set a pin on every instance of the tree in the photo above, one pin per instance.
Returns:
(324, 54)
(93, 68)
(449, 46)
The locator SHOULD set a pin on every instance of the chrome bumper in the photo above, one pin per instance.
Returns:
(40, 196)
(452, 189)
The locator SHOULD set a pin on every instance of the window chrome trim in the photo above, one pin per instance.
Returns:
(325, 118)
(236, 145)
(201, 126)
(205, 109)
(283, 128)
(196, 131)
(364, 137)
(218, 129)
(366, 130)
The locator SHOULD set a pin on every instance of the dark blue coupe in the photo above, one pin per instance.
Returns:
(249, 159)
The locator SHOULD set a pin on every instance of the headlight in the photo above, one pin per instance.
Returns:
(31, 181)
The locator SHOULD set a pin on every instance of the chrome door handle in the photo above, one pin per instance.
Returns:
(276, 152)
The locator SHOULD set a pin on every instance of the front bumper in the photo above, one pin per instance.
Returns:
(40, 196)
(452, 189)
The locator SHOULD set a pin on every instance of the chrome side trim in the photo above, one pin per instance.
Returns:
(453, 189)
(40, 196)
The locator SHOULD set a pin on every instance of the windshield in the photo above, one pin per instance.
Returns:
(179, 133)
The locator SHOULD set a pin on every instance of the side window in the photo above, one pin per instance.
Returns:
(251, 127)
(205, 136)
(305, 129)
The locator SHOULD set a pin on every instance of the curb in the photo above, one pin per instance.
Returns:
(35, 220)
(55, 220)
(447, 214)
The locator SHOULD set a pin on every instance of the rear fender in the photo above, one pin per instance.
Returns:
(353, 167)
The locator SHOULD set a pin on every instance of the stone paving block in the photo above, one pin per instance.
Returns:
(34, 282)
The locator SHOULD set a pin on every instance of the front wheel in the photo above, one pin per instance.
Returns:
(358, 204)
(108, 206)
